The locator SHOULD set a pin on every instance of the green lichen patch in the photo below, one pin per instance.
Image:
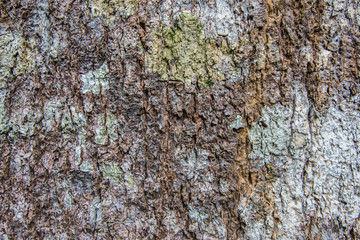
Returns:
(108, 9)
(17, 55)
(107, 131)
(101, 136)
(52, 115)
(93, 79)
(67, 123)
(182, 53)
(112, 127)
(4, 119)
(112, 172)
(73, 121)
(10, 45)
(69, 120)
(130, 180)
(22, 121)
(85, 165)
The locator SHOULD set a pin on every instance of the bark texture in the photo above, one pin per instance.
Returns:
(180, 119)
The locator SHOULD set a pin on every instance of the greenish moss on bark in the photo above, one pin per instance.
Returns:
(107, 130)
(17, 55)
(112, 172)
(183, 53)
(130, 180)
(108, 9)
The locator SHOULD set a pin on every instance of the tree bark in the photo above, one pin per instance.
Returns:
(208, 119)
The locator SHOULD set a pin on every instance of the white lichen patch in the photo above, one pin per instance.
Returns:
(68, 199)
(4, 236)
(197, 215)
(171, 222)
(223, 186)
(195, 163)
(315, 154)
(96, 212)
(93, 79)
(282, 130)
(237, 123)
(209, 222)
(271, 134)
(225, 21)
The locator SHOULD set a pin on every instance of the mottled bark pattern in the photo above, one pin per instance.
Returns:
(179, 119)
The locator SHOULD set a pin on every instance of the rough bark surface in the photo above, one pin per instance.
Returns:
(180, 119)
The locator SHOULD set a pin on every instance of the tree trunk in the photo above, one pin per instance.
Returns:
(207, 119)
